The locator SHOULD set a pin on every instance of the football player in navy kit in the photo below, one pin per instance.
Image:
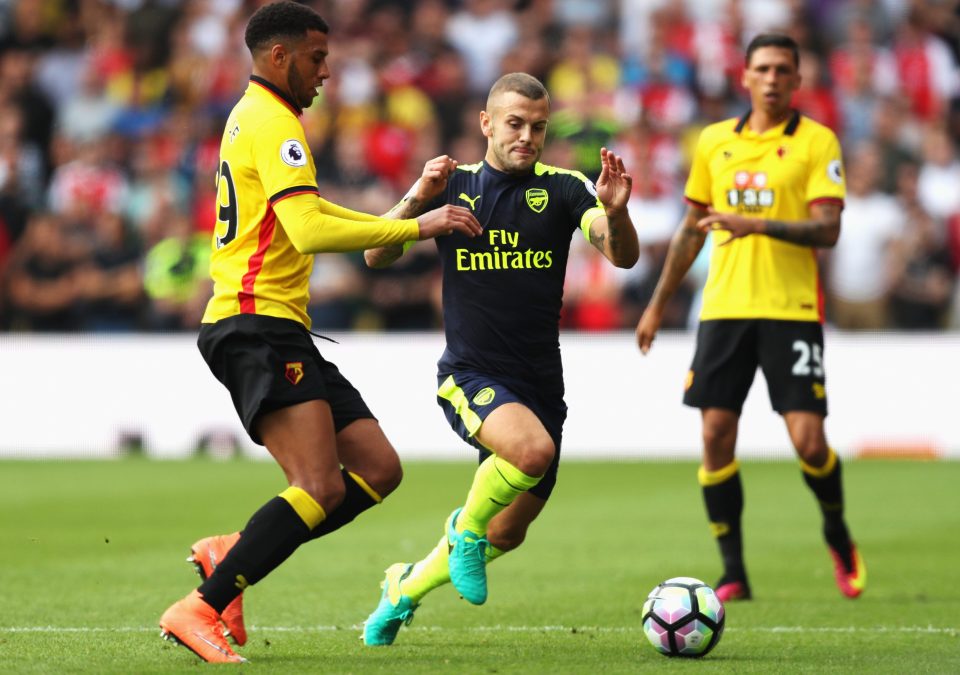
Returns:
(500, 379)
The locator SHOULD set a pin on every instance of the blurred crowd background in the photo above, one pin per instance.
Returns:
(111, 113)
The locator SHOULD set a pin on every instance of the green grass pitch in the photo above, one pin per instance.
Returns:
(91, 553)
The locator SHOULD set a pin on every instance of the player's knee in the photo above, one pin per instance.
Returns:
(327, 491)
(719, 437)
(385, 476)
(534, 455)
(812, 450)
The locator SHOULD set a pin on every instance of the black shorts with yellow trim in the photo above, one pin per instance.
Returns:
(268, 363)
(468, 397)
(790, 353)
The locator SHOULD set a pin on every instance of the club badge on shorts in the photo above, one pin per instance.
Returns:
(294, 372)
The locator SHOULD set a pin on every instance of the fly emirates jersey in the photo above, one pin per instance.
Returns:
(775, 175)
(502, 290)
(270, 218)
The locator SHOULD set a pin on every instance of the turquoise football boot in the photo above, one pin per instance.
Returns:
(468, 563)
(394, 610)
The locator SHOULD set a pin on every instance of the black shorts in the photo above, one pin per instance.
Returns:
(729, 351)
(268, 363)
(467, 397)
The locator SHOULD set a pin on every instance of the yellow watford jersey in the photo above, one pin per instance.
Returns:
(775, 175)
(264, 160)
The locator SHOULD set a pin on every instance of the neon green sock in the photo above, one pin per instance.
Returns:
(429, 573)
(496, 484)
(434, 571)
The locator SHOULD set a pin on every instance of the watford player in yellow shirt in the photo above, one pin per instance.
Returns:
(770, 187)
(255, 333)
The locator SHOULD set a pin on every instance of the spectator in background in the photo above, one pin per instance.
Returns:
(405, 295)
(860, 265)
(816, 98)
(938, 187)
(483, 31)
(17, 90)
(111, 279)
(658, 210)
(896, 137)
(89, 115)
(927, 73)
(336, 292)
(43, 289)
(591, 291)
(176, 277)
(923, 278)
(22, 164)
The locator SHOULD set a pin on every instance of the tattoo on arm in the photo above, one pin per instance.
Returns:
(408, 208)
(599, 238)
(821, 232)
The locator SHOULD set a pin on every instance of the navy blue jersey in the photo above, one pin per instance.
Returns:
(502, 291)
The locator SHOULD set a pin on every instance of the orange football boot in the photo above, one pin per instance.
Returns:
(851, 582)
(205, 555)
(196, 625)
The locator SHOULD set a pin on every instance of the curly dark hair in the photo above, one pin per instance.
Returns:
(284, 20)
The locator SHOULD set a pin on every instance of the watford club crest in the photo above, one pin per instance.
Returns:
(294, 372)
(537, 199)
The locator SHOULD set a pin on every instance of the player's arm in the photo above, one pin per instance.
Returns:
(429, 186)
(684, 248)
(312, 231)
(821, 231)
(613, 233)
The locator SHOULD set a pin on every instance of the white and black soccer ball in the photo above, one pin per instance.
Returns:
(683, 617)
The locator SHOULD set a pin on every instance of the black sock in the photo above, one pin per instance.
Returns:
(724, 502)
(272, 535)
(828, 490)
(356, 500)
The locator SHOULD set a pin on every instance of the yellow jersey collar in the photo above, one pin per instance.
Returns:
(277, 94)
(789, 126)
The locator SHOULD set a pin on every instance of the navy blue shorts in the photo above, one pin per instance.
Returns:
(267, 363)
(467, 397)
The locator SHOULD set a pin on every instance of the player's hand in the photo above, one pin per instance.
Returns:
(433, 180)
(737, 226)
(614, 184)
(447, 220)
(647, 329)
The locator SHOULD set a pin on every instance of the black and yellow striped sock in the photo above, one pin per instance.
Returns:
(723, 497)
(270, 537)
(358, 498)
(826, 483)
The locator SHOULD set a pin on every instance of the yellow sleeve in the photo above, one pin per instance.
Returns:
(698, 188)
(282, 157)
(826, 179)
(312, 231)
(331, 209)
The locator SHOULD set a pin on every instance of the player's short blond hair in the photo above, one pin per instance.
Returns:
(520, 83)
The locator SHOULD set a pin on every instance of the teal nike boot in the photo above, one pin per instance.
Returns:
(468, 565)
(394, 610)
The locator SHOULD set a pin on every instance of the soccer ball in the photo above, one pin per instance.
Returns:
(683, 617)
